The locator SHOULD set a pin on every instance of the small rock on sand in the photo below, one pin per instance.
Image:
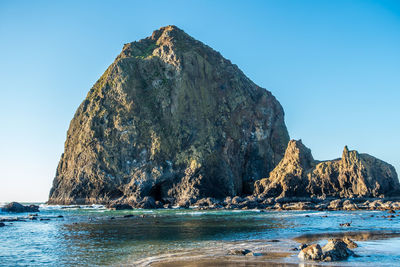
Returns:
(240, 252)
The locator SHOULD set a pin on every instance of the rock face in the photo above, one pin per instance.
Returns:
(171, 119)
(354, 175)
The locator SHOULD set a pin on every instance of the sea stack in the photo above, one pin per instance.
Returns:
(170, 119)
(354, 175)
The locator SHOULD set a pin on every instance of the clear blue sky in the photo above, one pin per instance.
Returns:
(333, 65)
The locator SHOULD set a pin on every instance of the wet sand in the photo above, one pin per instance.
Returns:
(267, 260)
(279, 254)
(223, 263)
(354, 235)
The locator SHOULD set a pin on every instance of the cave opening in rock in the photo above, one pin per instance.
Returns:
(156, 192)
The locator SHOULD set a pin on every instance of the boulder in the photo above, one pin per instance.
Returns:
(298, 206)
(335, 204)
(336, 250)
(17, 207)
(348, 205)
(206, 202)
(237, 200)
(311, 252)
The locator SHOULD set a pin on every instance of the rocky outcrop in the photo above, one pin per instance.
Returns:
(17, 207)
(353, 176)
(173, 120)
(334, 250)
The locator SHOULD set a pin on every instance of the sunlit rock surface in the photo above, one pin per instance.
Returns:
(353, 175)
(171, 119)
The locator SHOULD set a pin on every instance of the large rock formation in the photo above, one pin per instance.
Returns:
(172, 119)
(354, 175)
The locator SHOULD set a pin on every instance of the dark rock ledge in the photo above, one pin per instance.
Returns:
(254, 202)
(18, 208)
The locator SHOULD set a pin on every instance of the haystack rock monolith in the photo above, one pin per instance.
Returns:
(171, 119)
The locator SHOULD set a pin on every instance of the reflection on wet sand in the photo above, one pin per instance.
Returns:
(224, 263)
(127, 239)
(358, 236)
(262, 253)
(267, 259)
(270, 253)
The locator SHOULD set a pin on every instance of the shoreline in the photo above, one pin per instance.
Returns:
(267, 252)
(252, 202)
(202, 246)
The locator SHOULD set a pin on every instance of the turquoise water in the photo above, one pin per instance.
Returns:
(88, 236)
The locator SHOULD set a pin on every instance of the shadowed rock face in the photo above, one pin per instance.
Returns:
(172, 119)
(354, 175)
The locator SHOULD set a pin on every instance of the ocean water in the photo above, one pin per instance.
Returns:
(95, 236)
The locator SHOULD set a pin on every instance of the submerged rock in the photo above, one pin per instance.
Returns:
(353, 176)
(17, 207)
(2, 224)
(13, 219)
(170, 118)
